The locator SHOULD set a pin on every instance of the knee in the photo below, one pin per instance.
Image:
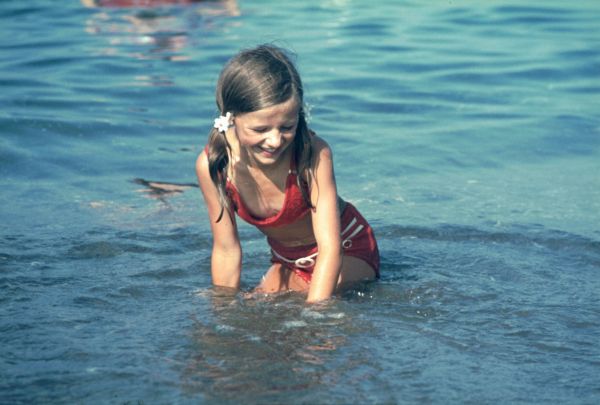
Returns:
(274, 280)
(280, 279)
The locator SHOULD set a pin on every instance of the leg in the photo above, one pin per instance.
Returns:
(354, 270)
(279, 278)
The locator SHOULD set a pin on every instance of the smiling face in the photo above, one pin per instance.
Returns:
(266, 134)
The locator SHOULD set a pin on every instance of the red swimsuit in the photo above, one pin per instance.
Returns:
(294, 206)
(358, 239)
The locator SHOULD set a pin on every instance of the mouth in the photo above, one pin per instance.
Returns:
(268, 152)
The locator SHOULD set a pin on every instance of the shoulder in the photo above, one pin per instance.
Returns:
(321, 150)
(322, 179)
(202, 170)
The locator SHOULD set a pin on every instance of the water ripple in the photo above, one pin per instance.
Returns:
(466, 132)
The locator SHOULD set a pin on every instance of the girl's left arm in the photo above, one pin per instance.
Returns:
(326, 224)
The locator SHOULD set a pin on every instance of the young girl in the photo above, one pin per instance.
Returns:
(263, 163)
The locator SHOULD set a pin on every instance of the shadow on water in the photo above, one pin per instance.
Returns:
(160, 189)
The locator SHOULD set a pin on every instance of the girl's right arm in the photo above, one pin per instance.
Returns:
(226, 259)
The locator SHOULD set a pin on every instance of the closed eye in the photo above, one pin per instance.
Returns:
(260, 130)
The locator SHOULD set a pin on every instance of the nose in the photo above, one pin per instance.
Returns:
(274, 139)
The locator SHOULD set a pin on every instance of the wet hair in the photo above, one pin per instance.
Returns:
(252, 80)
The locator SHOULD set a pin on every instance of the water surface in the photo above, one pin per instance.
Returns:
(468, 134)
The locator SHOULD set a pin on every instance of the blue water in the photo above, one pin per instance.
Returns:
(468, 133)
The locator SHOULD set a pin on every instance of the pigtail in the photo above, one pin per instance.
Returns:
(303, 157)
(218, 150)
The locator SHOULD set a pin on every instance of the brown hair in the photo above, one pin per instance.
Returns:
(254, 79)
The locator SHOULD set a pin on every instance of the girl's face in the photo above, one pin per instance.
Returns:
(266, 134)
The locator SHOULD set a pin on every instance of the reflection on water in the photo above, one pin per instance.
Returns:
(161, 26)
(266, 346)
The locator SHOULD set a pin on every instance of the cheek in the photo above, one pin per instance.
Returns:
(289, 136)
(244, 139)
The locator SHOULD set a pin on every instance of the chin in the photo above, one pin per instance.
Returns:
(263, 160)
